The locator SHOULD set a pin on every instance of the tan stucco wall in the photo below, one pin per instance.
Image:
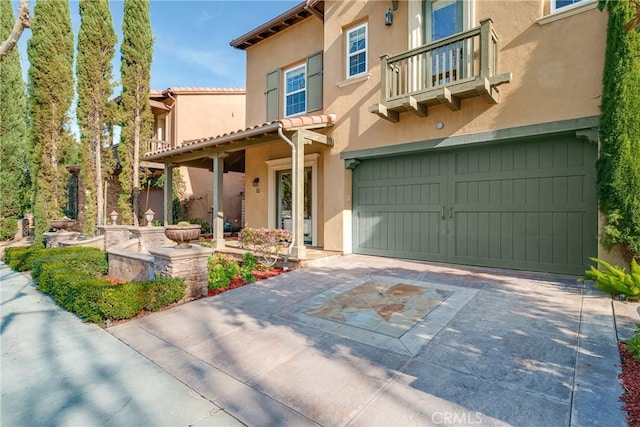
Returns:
(556, 68)
(201, 115)
(283, 50)
(205, 115)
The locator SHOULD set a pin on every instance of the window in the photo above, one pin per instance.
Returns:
(296, 90)
(357, 51)
(444, 18)
(295, 94)
(562, 4)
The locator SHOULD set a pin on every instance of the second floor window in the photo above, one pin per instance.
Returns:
(561, 4)
(295, 96)
(357, 51)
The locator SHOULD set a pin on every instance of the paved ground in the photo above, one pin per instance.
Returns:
(58, 371)
(502, 348)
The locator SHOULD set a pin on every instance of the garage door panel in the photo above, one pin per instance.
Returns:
(528, 205)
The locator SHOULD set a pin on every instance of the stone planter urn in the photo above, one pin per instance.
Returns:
(182, 233)
(62, 224)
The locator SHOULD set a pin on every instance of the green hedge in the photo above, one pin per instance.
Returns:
(126, 300)
(73, 278)
(82, 260)
(24, 258)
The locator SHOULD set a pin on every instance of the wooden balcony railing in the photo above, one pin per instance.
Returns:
(442, 72)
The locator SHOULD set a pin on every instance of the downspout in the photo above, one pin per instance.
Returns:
(294, 182)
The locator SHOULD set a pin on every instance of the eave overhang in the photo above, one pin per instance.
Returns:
(281, 22)
(196, 153)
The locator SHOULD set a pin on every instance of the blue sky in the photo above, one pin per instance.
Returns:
(191, 39)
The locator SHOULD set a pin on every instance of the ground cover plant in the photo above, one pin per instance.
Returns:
(225, 273)
(75, 278)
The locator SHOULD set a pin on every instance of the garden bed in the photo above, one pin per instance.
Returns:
(239, 282)
(630, 378)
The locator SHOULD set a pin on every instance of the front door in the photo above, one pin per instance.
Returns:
(284, 202)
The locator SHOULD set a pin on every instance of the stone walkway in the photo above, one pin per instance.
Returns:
(498, 348)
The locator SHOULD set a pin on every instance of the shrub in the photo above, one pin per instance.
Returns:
(615, 280)
(618, 169)
(221, 271)
(204, 225)
(21, 258)
(633, 344)
(122, 301)
(164, 291)
(77, 293)
(8, 228)
(72, 276)
(249, 264)
(267, 243)
(82, 260)
(24, 258)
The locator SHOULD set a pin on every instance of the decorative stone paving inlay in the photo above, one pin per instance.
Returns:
(384, 307)
(392, 313)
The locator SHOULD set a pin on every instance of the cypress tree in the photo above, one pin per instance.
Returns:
(136, 117)
(96, 41)
(14, 164)
(618, 166)
(50, 89)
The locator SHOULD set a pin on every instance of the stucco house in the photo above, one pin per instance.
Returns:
(185, 113)
(445, 130)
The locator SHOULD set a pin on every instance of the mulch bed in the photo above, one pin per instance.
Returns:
(238, 282)
(630, 378)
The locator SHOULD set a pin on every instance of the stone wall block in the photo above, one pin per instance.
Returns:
(114, 234)
(190, 264)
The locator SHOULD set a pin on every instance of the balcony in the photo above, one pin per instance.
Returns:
(460, 66)
(156, 144)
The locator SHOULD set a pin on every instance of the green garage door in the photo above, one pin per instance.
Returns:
(525, 205)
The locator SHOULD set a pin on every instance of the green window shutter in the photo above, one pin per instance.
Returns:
(273, 101)
(314, 82)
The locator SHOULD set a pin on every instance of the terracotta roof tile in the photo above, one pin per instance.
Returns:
(287, 124)
(196, 89)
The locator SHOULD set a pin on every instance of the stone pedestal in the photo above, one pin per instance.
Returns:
(149, 237)
(190, 264)
(114, 234)
(53, 238)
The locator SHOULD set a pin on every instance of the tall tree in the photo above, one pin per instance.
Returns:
(136, 117)
(14, 165)
(619, 163)
(96, 41)
(50, 89)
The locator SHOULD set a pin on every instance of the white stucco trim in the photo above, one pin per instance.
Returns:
(566, 12)
(310, 160)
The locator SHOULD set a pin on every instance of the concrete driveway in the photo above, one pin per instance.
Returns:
(316, 347)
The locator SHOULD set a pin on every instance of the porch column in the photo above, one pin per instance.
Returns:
(217, 207)
(298, 250)
(168, 193)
